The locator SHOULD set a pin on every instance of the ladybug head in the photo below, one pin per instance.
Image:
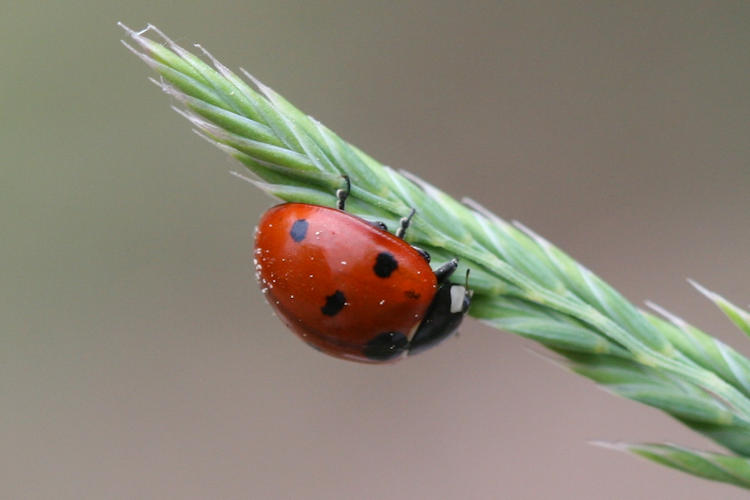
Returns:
(447, 310)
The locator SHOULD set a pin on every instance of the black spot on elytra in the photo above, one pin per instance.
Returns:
(385, 264)
(385, 346)
(334, 303)
(299, 230)
(411, 294)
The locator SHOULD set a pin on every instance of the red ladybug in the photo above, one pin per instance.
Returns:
(350, 288)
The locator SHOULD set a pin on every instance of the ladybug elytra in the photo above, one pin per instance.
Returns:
(350, 288)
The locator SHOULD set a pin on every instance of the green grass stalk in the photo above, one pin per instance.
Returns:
(522, 283)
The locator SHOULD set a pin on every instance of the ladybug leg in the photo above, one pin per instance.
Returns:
(343, 194)
(466, 281)
(379, 224)
(405, 221)
(401, 232)
(424, 253)
(444, 272)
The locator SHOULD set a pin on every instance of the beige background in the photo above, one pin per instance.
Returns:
(137, 358)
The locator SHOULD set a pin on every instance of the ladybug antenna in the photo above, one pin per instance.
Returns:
(343, 194)
(466, 283)
(405, 221)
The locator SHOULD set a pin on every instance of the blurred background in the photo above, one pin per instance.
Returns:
(137, 357)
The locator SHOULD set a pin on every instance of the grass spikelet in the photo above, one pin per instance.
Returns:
(522, 283)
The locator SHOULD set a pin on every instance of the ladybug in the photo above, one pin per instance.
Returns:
(350, 288)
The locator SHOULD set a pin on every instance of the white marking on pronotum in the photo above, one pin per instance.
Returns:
(457, 298)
